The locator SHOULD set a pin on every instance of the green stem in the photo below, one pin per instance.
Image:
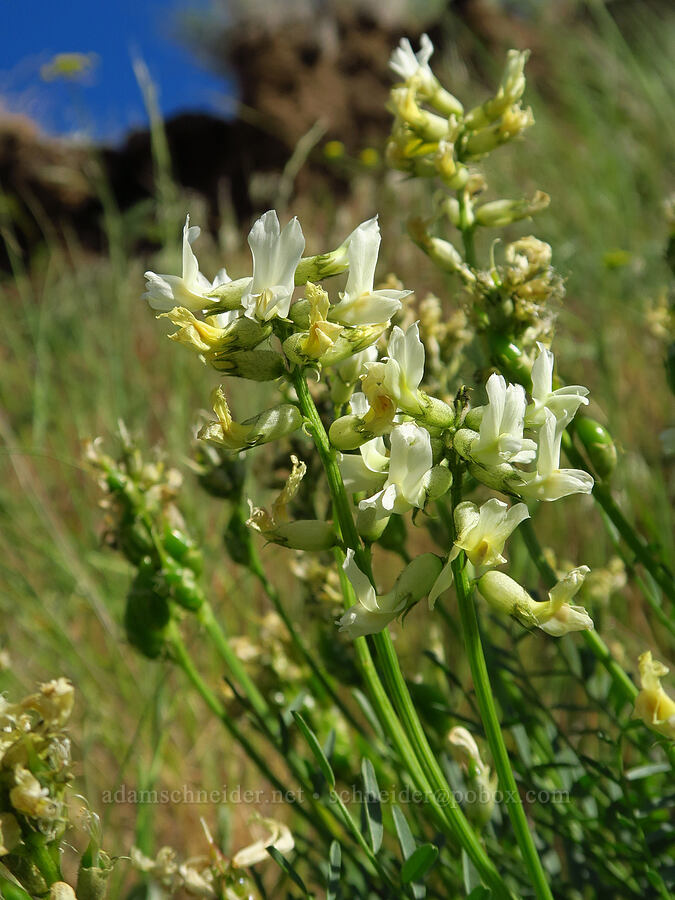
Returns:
(406, 735)
(493, 732)
(41, 857)
(320, 674)
(602, 494)
(181, 656)
(488, 711)
(217, 635)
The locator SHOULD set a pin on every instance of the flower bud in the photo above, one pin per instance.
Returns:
(299, 313)
(510, 359)
(184, 588)
(443, 253)
(598, 444)
(92, 881)
(269, 425)
(312, 535)
(500, 213)
(61, 891)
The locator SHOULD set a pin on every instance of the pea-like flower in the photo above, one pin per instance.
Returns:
(410, 463)
(276, 253)
(191, 289)
(276, 835)
(653, 705)
(563, 402)
(482, 534)
(500, 437)
(371, 613)
(404, 367)
(555, 616)
(359, 303)
(407, 64)
(550, 482)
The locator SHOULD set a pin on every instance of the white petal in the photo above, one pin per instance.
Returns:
(362, 251)
(365, 592)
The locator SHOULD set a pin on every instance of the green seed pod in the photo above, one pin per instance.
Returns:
(184, 588)
(146, 615)
(509, 358)
(255, 365)
(134, 540)
(183, 549)
(237, 539)
(598, 444)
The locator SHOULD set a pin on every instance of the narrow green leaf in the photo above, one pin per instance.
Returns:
(418, 863)
(284, 864)
(407, 842)
(334, 870)
(368, 712)
(480, 893)
(315, 747)
(372, 804)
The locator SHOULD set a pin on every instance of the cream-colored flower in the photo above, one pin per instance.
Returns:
(653, 705)
(276, 835)
(164, 292)
(276, 253)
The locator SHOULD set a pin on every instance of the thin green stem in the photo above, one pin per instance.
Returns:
(493, 732)
(40, 856)
(217, 635)
(320, 818)
(488, 710)
(404, 735)
(320, 674)
(602, 494)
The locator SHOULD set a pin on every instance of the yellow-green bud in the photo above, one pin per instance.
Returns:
(506, 596)
(255, 365)
(417, 579)
(312, 535)
(349, 433)
(434, 412)
(325, 265)
(500, 213)
(299, 313)
(350, 342)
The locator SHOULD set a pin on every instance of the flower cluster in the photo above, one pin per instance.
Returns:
(214, 875)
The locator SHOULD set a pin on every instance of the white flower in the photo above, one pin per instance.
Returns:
(359, 303)
(410, 461)
(554, 616)
(164, 292)
(367, 469)
(276, 254)
(563, 402)
(407, 64)
(481, 533)
(501, 430)
(371, 613)
(278, 836)
(404, 367)
(559, 617)
(550, 482)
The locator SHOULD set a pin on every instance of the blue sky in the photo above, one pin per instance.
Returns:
(109, 102)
